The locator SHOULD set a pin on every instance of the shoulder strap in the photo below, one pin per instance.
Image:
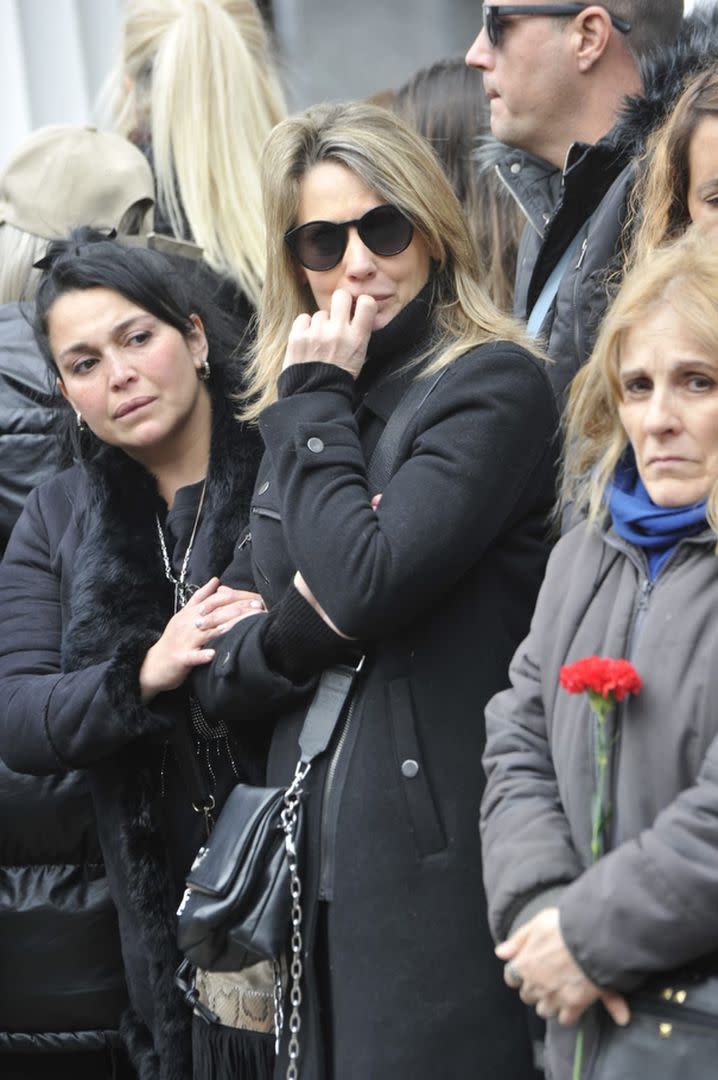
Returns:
(383, 462)
(548, 294)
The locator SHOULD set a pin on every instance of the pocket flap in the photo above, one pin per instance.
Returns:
(248, 815)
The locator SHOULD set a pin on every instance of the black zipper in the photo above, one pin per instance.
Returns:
(577, 321)
(247, 539)
(264, 511)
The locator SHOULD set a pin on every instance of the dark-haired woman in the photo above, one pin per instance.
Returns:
(110, 592)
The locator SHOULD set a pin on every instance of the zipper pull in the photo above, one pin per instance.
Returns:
(646, 590)
(581, 254)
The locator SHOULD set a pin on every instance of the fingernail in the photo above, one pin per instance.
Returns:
(202, 610)
(221, 629)
(255, 604)
(199, 623)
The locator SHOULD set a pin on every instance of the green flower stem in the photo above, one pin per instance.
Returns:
(578, 1055)
(600, 813)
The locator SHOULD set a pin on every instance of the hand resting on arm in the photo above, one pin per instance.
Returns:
(212, 610)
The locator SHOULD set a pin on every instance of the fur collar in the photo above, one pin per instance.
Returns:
(120, 594)
(664, 75)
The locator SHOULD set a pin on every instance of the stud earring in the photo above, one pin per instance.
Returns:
(204, 371)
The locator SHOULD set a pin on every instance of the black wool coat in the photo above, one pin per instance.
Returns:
(84, 596)
(438, 585)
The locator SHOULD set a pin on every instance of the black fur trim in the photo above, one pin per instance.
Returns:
(144, 857)
(138, 1044)
(664, 75)
(123, 689)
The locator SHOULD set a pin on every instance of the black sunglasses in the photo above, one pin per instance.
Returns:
(319, 245)
(494, 15)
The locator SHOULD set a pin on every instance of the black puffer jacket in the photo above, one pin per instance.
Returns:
(589, 199)
(28, 449)
(61, 982)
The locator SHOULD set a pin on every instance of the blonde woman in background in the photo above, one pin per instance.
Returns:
(196, 88)
(680, 182)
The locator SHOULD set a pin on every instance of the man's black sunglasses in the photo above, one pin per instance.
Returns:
(320, 245)
(494, 15)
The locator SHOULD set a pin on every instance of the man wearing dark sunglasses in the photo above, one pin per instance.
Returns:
(556, 76)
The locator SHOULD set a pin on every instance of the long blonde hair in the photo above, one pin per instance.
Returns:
(659, 201)
(391, 159)
(684, 275)
(197, 75)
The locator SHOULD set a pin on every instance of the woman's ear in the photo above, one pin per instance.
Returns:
(61, 387)
(197, 342)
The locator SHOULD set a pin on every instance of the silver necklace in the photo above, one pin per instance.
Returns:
(206, 736)
(183, 590)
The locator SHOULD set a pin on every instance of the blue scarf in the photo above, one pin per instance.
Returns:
(655, 529)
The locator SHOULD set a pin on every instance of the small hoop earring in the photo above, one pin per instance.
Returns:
(204, 371)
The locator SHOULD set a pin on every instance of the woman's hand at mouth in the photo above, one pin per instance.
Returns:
(339, 336)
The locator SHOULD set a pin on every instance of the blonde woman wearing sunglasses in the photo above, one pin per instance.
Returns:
(371, 288)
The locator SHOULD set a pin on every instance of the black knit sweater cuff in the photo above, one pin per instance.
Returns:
(314, 375)
(297, 641)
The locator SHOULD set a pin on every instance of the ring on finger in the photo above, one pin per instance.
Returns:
(513, 975)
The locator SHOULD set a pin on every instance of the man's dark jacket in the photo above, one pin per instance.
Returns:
(589, 199)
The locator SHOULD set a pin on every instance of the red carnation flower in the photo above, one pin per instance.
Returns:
(605, 681)
(602, 675)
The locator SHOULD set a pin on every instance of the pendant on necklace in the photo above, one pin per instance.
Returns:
(183, 591)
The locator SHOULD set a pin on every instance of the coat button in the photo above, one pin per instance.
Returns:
(409, 768)
(515, 168)
(264, 488)
(315, 445)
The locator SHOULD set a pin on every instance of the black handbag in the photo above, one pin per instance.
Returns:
(672, 1034)
(237, 907)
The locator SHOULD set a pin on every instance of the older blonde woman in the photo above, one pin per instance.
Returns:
(371, 284)
(638, 579)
